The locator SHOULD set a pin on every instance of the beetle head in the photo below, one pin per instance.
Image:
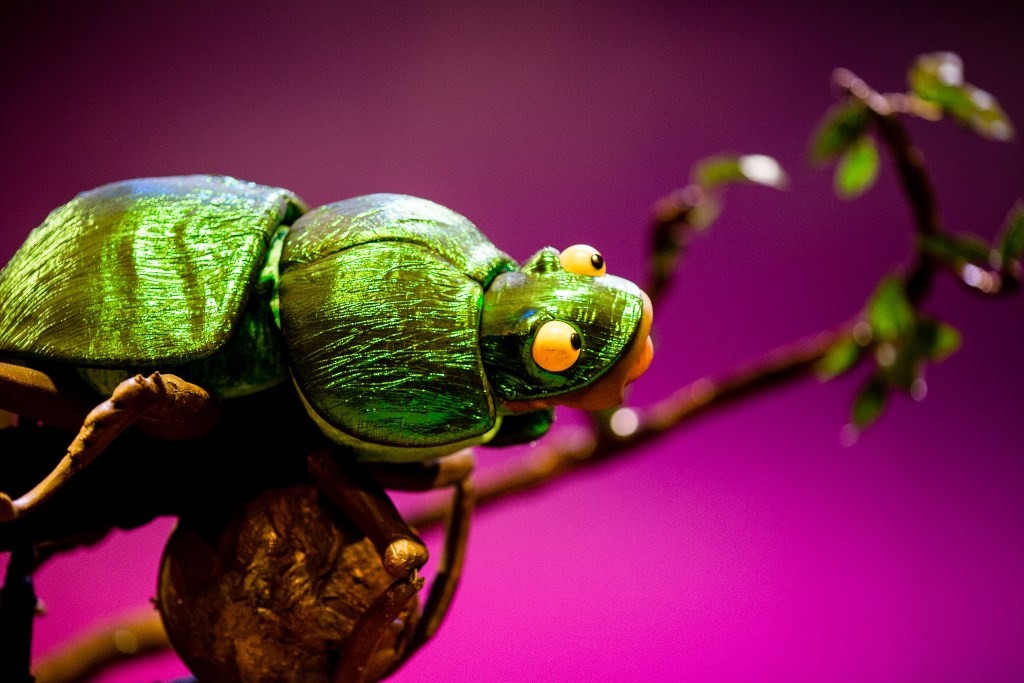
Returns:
(560, 331)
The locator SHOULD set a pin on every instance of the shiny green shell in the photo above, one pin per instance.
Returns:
(380, 308)
(380, 299)
(155, 273)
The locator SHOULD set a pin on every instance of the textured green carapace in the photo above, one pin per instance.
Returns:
(403, 279)
(149, 273)
(404, 329)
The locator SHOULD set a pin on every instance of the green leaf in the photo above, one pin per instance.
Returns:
(933, 71)
(857, 169)
(938, 78)
(937, 340)
(984, 116)
(906, 367)
(840, 358)
(841, 127)
(869, 404)
(947, 341)
(889, 312)
(953, 249)
(729, 170)
(1011, 240)
(715, 171)
(705, 213)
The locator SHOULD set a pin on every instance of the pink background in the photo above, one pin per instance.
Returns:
(750, 545)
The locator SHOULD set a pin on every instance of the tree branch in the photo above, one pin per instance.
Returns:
(126, 638)
(885, 110)
(576, 451)
(570, 451)
(910, 165)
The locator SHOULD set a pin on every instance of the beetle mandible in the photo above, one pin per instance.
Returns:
(407, 335)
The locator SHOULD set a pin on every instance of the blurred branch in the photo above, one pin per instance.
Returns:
(570, 450)
(82, 658)
(910, 164)
(973, 268)
(892, 325)
(678, 216)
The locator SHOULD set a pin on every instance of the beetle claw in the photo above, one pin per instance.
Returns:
(403, 556)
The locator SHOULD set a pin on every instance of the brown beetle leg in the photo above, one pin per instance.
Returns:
(423, 476)
(365, 503)
(42, 396)
(357, 493)
(447, 579)
(363, 645)
(165, 406)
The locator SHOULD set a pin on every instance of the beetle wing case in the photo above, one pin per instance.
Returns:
(152, 272)
(381, 299)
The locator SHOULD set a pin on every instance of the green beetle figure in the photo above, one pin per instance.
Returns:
(406, 333)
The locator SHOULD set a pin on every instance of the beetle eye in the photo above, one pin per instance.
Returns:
(556, 347)
(583, 260)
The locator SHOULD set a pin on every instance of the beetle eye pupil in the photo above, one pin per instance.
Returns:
(574, 341)
(597, 261)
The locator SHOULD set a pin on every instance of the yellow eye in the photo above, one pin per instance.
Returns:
(556, 346)
(582, 260)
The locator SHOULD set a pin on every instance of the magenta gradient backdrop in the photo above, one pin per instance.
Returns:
(748, 546)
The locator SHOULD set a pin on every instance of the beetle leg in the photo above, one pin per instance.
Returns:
(165, 406)
(43, 396)
(442, 590)
(370, 509)
(356, 662)
(423, 476)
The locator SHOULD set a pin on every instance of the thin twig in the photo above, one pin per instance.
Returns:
(885, 110)
(779, 367)
(126, 638)
(909, 160)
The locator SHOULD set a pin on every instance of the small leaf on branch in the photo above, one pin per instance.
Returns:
(934, 70)
(1011, 240)
(937, 340)
(955, 249)
(713, 172)
(984, 116)
(900, 365)
(889, 311)
(839, 359)
(842, 126)
(905, 371)
(869, 404)
(718, 171)
(857, 169)
(938, 78)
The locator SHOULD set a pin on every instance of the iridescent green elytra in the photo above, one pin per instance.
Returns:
(405, 331)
